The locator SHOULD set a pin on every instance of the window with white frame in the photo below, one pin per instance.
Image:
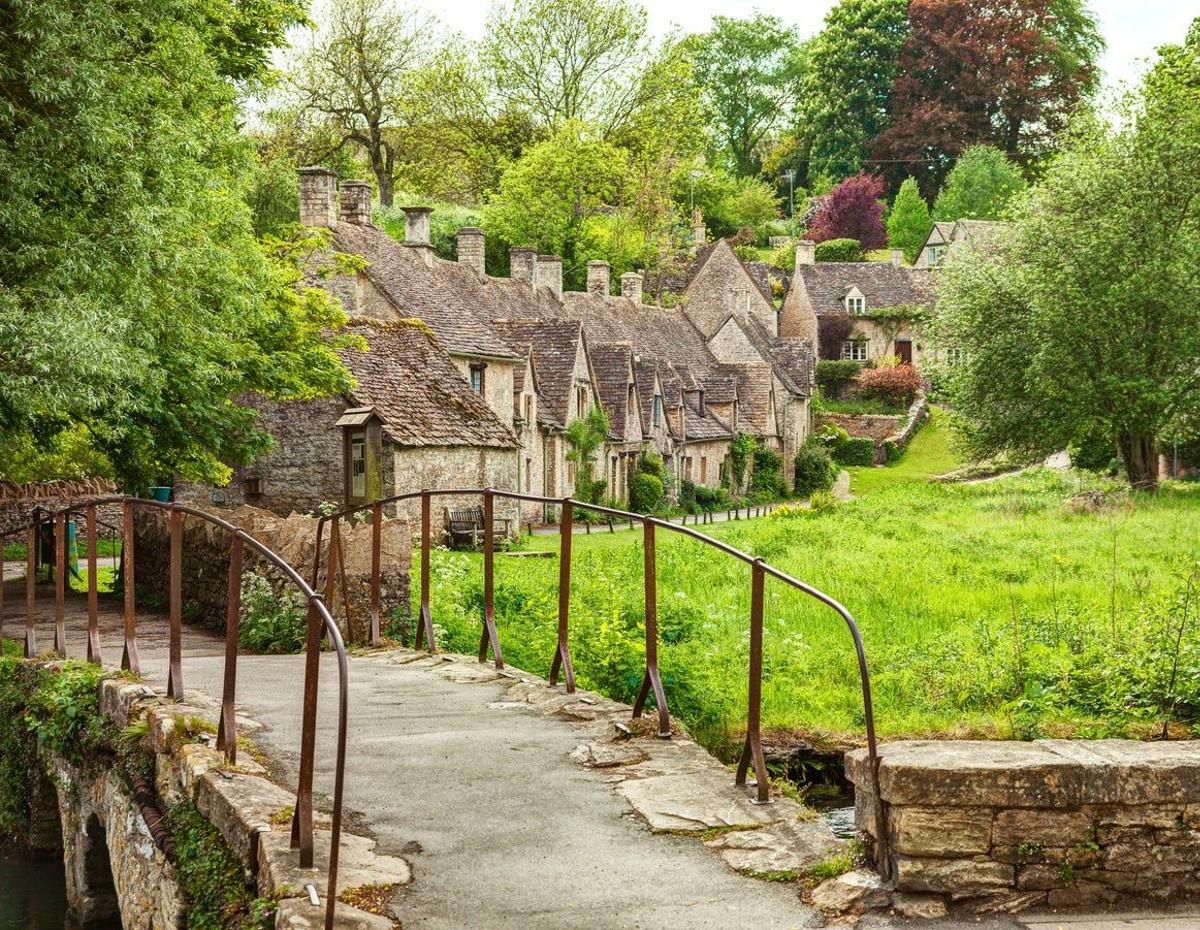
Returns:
(358, 466)
(935, 255)
(856, 304)
(954, 355)
(854, 350)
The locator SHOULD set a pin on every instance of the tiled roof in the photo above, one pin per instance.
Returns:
(554, 344)
(709, 426)
(795, 361)
(754, 397)
(415, 388)
(611, 365)
(456, 302)
(882, 284)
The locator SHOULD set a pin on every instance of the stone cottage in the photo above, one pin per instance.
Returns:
(514, 360)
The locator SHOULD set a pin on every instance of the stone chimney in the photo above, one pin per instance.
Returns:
(416, 231)
(548, 273)
(356, 202)
(806, 252)
(471, 248)
(699, 231)
(318, 197)
(598, 274)
(897, 256)
(631, 286)
(522, 260)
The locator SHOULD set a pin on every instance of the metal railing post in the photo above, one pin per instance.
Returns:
(302, 818)
(60, 584)
(376, 557)
(175, 661)
(129, 656)
(752, 753)
(227, 727)
(93, 648)
(562, 653)
(425, 620)
(30, 590)
(651, 679)
(489, 635)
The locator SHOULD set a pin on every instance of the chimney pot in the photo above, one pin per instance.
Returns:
(318, 196)
(356, 202)
(897, 256)
(598, 278)
(522, 260)
(806, 252)
(547, 273)
(470, 242)
(631, 286)
(416, 226)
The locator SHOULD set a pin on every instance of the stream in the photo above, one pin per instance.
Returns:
(33, 894)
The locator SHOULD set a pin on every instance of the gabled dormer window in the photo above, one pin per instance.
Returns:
(856, 303)
(477, 377)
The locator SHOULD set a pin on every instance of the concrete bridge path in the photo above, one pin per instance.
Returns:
(478, 794)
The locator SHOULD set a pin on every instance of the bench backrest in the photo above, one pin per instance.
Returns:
(466, 517)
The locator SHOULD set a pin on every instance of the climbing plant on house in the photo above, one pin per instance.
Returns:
(585, 435)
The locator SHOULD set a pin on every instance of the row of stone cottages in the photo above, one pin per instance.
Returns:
(471, 380)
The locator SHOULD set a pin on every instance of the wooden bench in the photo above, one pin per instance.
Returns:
(464, 526)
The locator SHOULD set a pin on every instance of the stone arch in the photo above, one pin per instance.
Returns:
(91, 889)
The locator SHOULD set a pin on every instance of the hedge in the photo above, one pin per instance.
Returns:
(856, 451)
(833, 375)
(839, 250)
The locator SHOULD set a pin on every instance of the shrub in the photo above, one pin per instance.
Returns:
(815, 470)
(896, 384)
(1094, 452)
(768, 473)
(687, 494)
(645, 493)
(784, 258)
(269, 625)
(839, 250)
(856, 451)
(650, 463)
(833, 329)
(823, 502)
(835, 375)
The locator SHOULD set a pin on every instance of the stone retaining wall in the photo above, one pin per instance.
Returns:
(1058, 823)
(891, 434)
(206, 564)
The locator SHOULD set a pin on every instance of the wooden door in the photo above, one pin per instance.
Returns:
(904, 351)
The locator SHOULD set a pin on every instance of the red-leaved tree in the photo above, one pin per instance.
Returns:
(1006, 73)
(852, 210)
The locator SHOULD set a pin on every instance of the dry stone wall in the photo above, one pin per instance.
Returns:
(1057, 823)
(206, 564)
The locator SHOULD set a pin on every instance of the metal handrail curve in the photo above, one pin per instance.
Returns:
(319, 622)
(752, 754)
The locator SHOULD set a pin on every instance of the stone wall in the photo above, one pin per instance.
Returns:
(206, 560)
(1057, 823)
(888, 432)
(19, 501)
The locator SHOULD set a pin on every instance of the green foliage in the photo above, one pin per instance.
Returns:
(896, 384)
(211, 876)
(728, 203)
(835, 375)
(269, 624)
(584, 436)
(650, 463)
(126, 245)
(815, 470)
(979, 187)
(749, 70)
(444, 223)
(1019, 312)
(856, 450)
(847, 88)
(767, 477)
(18, 749)
(645, 493)
(63, 711)
(908, 224)
(839, 250)
(740, 452)
(1095, 452)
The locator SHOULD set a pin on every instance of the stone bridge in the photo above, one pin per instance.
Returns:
(483, 796)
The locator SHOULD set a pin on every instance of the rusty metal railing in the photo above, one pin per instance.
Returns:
(320, 623)
(651, 684)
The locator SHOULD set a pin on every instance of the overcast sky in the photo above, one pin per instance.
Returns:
(1133, 29)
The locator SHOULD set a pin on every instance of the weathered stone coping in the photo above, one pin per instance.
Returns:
(1059, 823)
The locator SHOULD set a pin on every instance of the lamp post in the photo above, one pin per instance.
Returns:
(692, 176)
(791, 176)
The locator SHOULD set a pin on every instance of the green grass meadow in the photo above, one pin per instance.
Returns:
(1009, 608)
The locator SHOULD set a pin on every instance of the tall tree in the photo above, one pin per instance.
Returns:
(908, 223)
(852, 210)
(1086, 320)
(750, 72)
(1007, 73)
(356, 73)
(852, 64)
(135, 302)
(979, 186)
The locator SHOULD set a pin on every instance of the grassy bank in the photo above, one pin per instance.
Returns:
(1000, 609)
(930, 453)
